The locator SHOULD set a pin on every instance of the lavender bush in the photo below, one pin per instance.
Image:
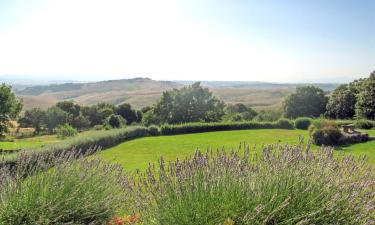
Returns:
(59, 189)
(284, 185)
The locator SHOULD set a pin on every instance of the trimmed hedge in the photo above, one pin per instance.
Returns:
(285, 124)
(188, 128)
(302, 123)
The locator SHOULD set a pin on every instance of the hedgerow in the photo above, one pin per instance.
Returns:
(187, 128)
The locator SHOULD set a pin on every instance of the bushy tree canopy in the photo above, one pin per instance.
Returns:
(309, 101)
(189, 104)
(55, 117)
(34, 118)
(130, 115)
(10, 107)
(365, 106)
(239, 112)
(341, 104)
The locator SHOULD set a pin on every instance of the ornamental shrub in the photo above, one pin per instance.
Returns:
(154, 130)
(325, 132)
(302, 123)
(285, 124)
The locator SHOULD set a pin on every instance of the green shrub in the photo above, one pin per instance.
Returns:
(302, 123)
(294, 186)
(364, 124)
(325, 132)
(83, 192)
(65, 131)
(154, 130)
(188, 128)
(285, 124)
(115, 121)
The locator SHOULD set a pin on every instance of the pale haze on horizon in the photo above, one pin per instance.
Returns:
(277, 41)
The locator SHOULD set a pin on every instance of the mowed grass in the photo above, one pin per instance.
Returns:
(38, 141)
(26, 143)
(367, 148)
(136, 154)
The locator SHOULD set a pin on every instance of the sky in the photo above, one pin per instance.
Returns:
(265, 40)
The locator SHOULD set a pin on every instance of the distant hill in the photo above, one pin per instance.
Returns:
(138, 92)
(143, 91)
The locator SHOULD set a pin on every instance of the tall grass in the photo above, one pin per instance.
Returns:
(284, 185)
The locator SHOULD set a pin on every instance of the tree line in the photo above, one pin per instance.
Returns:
(355, 100)
(193, 103)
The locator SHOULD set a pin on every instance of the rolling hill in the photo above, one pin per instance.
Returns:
(143, 91)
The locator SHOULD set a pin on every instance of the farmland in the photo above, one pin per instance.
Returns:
(138, 153)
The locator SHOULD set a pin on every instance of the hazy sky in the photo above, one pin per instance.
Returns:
(264, 40)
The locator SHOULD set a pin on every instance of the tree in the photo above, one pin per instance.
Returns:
(116, 121)
(34, 118)
(189, 104)
(10, 107)
(70, 107)
(365, 106)
(125, 110)
(55, 117)
(308, 101)
(341, 104)
(80, 122)
(239, 112)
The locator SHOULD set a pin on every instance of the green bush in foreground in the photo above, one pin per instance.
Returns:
(291, 186)
(325, 132)
(302, 123)
(73, 192)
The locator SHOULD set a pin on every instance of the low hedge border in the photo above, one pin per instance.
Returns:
(188, 128)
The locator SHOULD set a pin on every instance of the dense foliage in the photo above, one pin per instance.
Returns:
(285, 124)
(64, 131)
(302, 123)
(10, 107)
(325, 132)
(33, 118)
(239, 112)
(341, 104)
(355, 99)
(290, 186)
(189, 104)
(308, 101)
(365, 106)
(206, 127)
(79, 117)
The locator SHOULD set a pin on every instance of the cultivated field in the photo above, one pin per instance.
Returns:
(136, 154)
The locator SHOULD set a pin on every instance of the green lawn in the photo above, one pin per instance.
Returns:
(138, 153)
(36, 142)
(33, 142)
